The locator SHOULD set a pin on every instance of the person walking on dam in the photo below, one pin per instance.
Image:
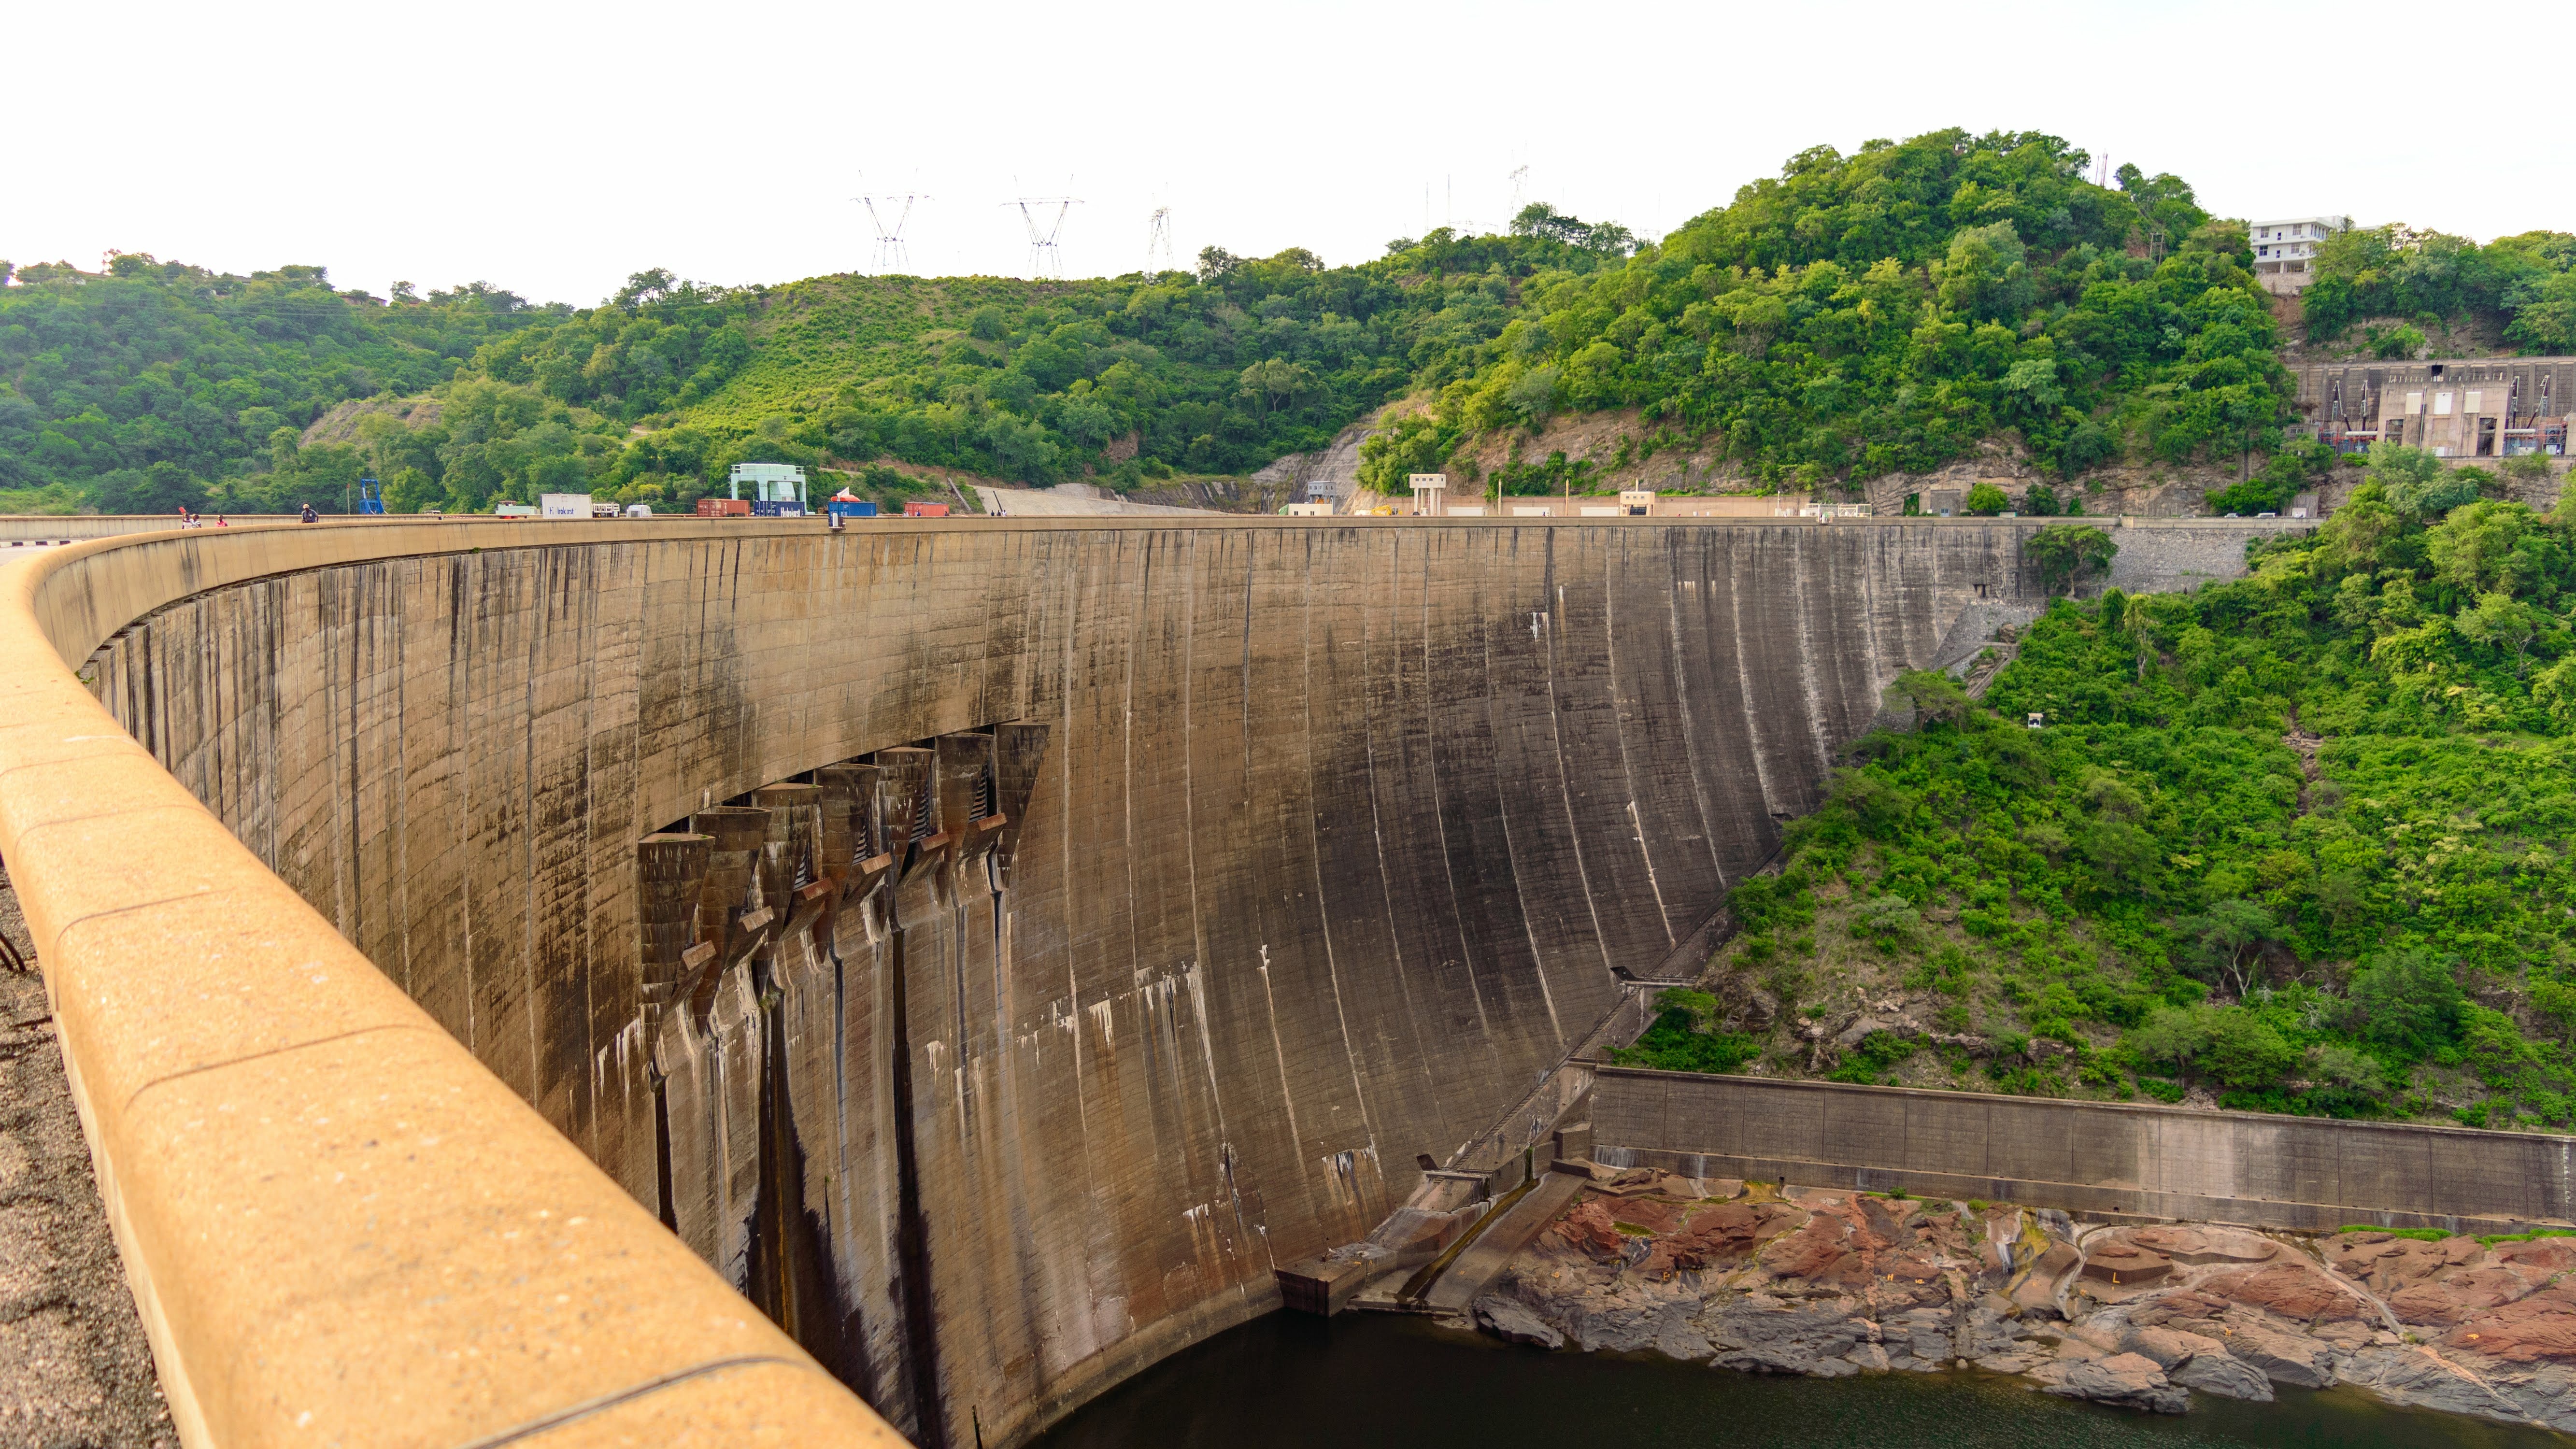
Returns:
(309, 515)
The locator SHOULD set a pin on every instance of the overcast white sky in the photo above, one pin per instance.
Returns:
(555, 148)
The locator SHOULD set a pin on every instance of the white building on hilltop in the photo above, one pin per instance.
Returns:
(2285, 251)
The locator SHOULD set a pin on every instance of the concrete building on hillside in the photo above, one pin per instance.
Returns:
(2478, 407)
(2285, 251)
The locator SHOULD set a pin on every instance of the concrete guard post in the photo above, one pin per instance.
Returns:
(340, 1228)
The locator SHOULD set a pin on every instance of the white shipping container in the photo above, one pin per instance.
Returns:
(563, 505)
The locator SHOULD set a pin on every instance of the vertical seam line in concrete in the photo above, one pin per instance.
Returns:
(1555, 620)
(1613, 560)
(1315, 857)
(1744, 690)
(1675, 554)
(1440, 816)
(1511, 850)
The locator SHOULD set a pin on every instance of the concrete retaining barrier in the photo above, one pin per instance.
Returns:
(2303, 1173)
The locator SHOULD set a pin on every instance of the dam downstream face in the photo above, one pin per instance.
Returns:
(1336, 840)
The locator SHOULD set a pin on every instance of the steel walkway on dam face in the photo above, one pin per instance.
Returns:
(1046, 925)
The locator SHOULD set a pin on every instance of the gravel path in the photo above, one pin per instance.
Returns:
(75, 1369)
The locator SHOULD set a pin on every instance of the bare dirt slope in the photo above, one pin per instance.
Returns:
(75, 1370)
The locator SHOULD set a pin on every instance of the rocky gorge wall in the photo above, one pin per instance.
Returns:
(1337, 839)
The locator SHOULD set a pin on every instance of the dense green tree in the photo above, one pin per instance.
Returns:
(2068, 554)
(182, 375)
(2524, 284)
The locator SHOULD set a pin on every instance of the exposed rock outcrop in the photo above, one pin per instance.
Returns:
(1828, 1284)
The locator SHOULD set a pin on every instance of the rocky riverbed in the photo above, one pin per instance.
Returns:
(1785, 1280)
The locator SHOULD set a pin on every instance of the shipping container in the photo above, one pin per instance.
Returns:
(778, 508)
(563, 505)
(846, 508)
(925, 510)
(723, 508)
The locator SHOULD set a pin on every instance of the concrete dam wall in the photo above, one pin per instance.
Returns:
(993, 947)
(2305, 1174)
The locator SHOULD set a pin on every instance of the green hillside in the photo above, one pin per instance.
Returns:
(1895, 309)
(2521, 289)
(2299, 842)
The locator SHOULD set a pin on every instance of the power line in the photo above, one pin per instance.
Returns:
(1158, 241)
(890, 255)
(1045, 260)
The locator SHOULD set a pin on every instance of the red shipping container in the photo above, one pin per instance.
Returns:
(925, 510)
(723, 508)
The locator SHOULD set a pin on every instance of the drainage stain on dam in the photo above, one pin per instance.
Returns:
(996, 948)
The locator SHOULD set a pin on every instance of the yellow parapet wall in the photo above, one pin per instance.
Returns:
(340, 1227)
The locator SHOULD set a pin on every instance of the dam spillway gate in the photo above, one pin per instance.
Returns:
(781, 935)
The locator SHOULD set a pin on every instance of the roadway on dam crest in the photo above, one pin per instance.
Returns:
(1329, 840)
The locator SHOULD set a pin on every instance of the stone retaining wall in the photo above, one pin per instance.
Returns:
(2302, 1173)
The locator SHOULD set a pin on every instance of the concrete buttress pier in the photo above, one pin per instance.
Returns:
(993, 947)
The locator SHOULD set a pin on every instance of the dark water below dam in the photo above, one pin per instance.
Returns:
(1368, 1381)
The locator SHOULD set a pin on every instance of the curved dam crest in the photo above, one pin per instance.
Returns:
(1335, 841)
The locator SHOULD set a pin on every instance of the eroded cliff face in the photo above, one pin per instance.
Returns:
(1338, 837)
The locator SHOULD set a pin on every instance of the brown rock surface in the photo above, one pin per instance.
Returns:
(2296, 1291)
(1833, 1284)
(1589, 1229)
(2196, 1246)
(1720, 1234)
(2541, 1327)
(2125, 1263)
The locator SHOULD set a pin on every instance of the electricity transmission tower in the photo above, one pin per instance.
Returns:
(1520, 188)
(1158, 242)
(1045, 261)
(890, 256)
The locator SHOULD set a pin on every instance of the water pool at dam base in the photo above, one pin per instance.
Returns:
(1373, 1381)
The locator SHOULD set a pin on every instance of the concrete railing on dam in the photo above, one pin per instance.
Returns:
(1192, 881)
(73, 527)
(2306, 1174)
